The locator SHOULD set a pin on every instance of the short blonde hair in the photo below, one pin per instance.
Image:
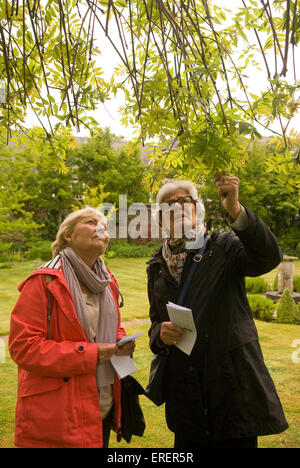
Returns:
(68, 225)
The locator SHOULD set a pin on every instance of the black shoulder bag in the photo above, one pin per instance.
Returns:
(132, 417)
(154, 390)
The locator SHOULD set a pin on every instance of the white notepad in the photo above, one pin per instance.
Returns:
(183, 317)
(124, 365)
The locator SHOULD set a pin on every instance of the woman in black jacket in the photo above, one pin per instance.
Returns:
(221, 395)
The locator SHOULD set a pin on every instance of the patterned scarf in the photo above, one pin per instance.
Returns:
(175, 251)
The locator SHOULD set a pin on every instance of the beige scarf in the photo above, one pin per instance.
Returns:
(97, 280)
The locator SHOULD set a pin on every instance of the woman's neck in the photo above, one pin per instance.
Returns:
(87, 257)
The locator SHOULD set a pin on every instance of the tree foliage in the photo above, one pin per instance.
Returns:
(185, 68)
(259, 191)
(118, 171)
(17, 225)
(35, 198)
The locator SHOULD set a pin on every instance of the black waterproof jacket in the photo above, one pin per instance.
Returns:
(223, 390)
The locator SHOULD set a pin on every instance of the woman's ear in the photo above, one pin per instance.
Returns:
(68, 237)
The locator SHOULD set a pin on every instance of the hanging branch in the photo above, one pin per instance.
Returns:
(48, 136)
(261, 48)
(132, 39)
(66, 92)
(287, 37)
(275, 37)
(40, 55)
(206, 8)
(132, 78)
(24, 54)
(110, 3)
(164, 58)
(70, 84)
(92, 40)
(6, 61)
(146, 59)
(93, 8)
(293, 39)
(27, 67)
(202, 54)
(183, 35)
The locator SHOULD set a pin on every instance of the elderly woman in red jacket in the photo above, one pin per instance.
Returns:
(64, 330)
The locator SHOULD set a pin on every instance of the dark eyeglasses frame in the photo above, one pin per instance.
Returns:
(181, 200)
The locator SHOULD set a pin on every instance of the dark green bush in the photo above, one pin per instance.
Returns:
(130, 250)
(256, 285)
(4, 251)
(297, 283)
(261, 307)
(41, 250)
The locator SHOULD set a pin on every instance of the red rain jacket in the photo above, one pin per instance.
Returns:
(58, 402)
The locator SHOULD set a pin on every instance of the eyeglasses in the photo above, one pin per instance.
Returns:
(181, 200)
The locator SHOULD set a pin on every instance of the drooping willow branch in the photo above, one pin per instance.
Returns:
(183, 34)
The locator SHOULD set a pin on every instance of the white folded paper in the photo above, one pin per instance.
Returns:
(129, 338)
(183, 317)
(124, 365)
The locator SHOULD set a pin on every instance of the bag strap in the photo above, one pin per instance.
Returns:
(48, 281)
(197, 259)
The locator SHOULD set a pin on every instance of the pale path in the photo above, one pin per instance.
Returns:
(136, 322)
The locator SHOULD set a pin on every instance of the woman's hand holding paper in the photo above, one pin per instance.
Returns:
(170, 333)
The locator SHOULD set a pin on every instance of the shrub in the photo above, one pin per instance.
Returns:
(41, 250)
(128, 250)
(297, 283)
(4, 251)
(287, 311)
(261, 307)
(6, 265)
(275, 283)
(256, 285)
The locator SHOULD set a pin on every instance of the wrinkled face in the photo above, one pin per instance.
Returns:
(89, 236)
(178, 213)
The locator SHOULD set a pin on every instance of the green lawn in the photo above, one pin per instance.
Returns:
(130, 274)
(276, 341)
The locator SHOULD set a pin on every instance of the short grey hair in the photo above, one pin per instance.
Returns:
(172, 185)
(169, 188)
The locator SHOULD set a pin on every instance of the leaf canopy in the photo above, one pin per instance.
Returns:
(184, 68)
